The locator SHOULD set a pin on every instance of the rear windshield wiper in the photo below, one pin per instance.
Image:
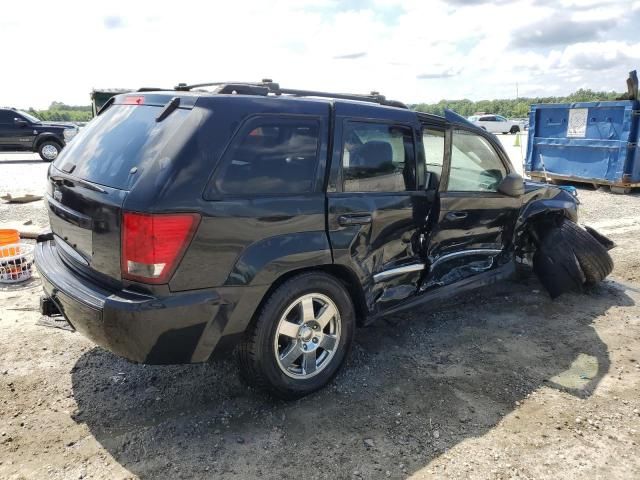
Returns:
(168, 108)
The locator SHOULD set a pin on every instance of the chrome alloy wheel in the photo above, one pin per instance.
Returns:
(307, 336)
(49, 152)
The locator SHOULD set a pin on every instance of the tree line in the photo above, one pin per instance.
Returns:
(60, 112)
(511, 108)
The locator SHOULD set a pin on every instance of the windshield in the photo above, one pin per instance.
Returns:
(31, 118)
(112, 144)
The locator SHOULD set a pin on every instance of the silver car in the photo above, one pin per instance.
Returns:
(496, 123)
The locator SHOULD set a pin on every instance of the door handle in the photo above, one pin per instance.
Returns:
(355, 219)
(456, 215)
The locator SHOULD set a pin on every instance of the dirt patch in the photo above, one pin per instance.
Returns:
(504, 383)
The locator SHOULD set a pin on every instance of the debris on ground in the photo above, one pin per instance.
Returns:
(26, 198)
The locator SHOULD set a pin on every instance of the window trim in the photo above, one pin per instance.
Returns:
(211, 191)
(375, 121)
(444, 185)
(439, 128)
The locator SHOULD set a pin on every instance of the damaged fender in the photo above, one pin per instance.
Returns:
(565, 256)
(542, 200)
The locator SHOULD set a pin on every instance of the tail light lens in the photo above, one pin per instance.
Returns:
(133, 100)
(152, 245)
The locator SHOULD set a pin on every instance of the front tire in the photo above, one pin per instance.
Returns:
(49, 150)
(595, 261)
(514, 129)
(569, 257)
(300, 338)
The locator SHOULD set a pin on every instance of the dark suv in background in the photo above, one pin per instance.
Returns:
(274, 221)
(22, 132)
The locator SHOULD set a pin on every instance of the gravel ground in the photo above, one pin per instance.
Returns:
(503, 383)
(22, 173)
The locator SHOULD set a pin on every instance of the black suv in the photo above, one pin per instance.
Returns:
(22, 132)
(274, 221)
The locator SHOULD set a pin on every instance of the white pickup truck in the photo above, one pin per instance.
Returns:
(496, 123)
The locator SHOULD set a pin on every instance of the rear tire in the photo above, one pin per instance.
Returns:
(49, 150)
(515, 129)
(300, 338)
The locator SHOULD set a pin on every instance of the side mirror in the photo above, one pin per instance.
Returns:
(512, 185)
(20, 122)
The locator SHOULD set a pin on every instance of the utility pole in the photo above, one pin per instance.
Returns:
(517, 96)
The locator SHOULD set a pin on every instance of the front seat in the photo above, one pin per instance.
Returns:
(374, 155)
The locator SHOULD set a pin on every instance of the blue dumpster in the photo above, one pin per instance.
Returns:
(592, 142)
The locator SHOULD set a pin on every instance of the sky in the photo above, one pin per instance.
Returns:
(414, 50)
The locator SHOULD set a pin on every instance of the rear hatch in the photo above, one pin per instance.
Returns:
(90, 180)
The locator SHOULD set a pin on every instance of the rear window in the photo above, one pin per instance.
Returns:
(271, 156)
(123, 137)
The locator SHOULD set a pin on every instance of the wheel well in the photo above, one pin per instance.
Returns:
(536, 226)
(341, 273)
(51, 138)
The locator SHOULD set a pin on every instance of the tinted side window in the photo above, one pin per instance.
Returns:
(475, 165)
(276, 155)
(6, 116)
(433, 141)
(377, 158)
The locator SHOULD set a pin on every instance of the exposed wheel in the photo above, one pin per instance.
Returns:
(569, 257)
(301, 336)
(514, 129)
(595, 261)
(556, 266)
(49, 150)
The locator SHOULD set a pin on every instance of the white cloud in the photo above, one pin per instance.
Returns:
(413, 50)
(599, 56)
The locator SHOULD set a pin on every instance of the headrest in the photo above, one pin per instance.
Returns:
(374, 154)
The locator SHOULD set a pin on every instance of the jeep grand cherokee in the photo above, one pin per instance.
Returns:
(187, 223)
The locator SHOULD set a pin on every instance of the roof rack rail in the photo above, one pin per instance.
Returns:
(267, 86)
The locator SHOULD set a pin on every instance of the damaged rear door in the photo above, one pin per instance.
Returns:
(475, 221)
(376, 209)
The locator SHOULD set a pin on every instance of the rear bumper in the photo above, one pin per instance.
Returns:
(177, 328)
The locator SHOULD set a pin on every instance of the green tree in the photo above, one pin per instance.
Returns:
(513, 108)
(60, 112)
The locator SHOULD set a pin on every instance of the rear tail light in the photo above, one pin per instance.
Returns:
(152, 245)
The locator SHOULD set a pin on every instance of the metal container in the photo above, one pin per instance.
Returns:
(591, 142)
